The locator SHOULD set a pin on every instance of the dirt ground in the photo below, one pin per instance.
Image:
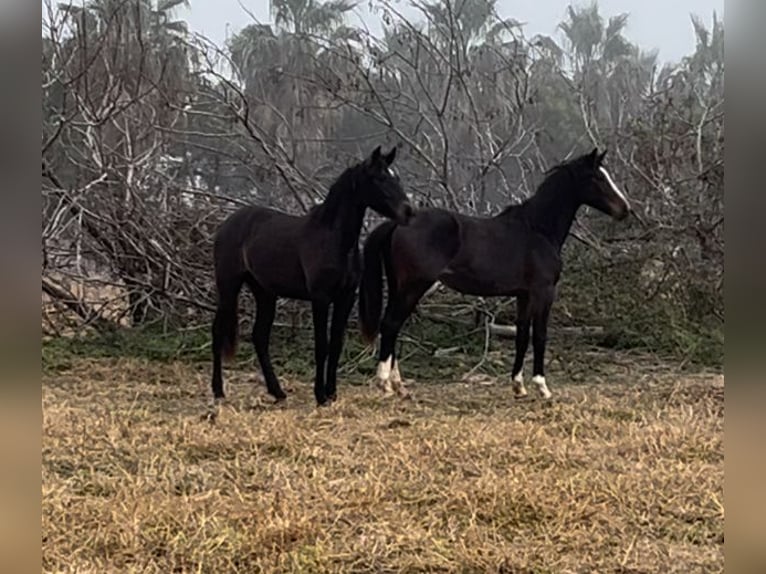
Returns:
(620, 473)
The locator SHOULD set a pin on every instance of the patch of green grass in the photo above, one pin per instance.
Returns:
(679, 322)
(150, 343)
(292, 349)
(685, 329)
(691, 344)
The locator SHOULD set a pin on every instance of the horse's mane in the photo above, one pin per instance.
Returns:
(343, 184)
(551, 176)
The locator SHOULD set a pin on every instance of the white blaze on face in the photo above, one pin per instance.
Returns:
(391, 172)
(614, 187)
(539, 380)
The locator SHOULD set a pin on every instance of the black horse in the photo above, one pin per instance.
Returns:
(314, 257)
(515, 253)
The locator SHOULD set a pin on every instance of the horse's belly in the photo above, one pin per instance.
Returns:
(478, 284)
(293, 288)
(282, 277)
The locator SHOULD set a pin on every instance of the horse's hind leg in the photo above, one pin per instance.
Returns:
(397, 382)
(266, 305)
(400, 306)
(522, 343)
(224, 330)
(539, 336)
(218, 342)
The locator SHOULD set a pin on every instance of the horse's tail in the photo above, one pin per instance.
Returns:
(228, 281)
(226, 323)
(371, 286)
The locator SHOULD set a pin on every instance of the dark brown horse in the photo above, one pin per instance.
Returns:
(515, 253)
(314, 257)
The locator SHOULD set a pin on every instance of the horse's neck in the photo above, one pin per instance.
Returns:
(551, 212)
(343, 216)
(349, 224)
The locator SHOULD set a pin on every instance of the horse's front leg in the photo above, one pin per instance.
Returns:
(265, 311)
(340, 313)
(320, 310)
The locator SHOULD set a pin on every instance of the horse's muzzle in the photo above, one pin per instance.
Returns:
(624, 212)
(620, 209)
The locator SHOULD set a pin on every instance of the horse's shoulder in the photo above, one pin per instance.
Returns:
(544, 248)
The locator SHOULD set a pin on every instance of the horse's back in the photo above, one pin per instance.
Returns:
(264, 243)
(478, 255)
(250, 221)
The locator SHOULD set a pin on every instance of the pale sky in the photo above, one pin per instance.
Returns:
(661, 24)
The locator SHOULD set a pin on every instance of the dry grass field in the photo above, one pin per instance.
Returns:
(621, 474)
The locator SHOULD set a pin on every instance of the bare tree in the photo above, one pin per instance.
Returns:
(151, 135)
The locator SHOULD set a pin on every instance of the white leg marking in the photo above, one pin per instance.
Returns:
(614, 187)
(518, 385)
(396, 377)
(397, 382)
(384, 376)
(384, 369)
(539, 380)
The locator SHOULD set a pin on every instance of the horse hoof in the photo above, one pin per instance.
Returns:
(542, 388)
(209, 416)
(211, 413)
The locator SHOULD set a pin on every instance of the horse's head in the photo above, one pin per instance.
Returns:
(597, 188)
(381, 188)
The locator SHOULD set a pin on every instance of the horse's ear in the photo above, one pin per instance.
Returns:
(375, 156)
(601, 157)
(391, 156)
(593, 155)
